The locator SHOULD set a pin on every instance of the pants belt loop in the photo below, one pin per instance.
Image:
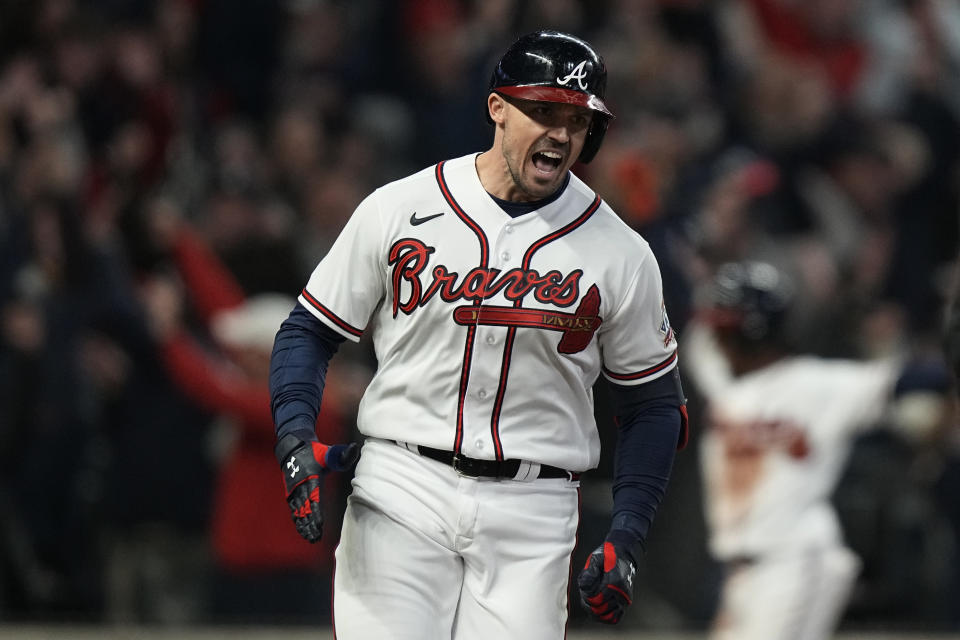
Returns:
(527, 472)
(408, 446)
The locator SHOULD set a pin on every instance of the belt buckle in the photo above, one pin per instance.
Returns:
(467, 467)
(458, 465)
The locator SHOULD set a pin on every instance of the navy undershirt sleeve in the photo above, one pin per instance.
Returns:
(649, 422)
(298, 370)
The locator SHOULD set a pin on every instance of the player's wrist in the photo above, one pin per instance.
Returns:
(300, 461)
(290, 441)
(626, 541)
(301, 425)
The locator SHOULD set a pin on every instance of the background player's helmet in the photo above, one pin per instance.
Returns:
(752, 300)
(556, 67)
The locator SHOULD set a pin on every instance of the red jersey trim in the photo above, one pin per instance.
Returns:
(330, 315)
(471, 330)
(639, 375)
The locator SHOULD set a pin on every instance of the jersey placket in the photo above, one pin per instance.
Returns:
(487, 364)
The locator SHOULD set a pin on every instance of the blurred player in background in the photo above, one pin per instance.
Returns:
(497, 287)
(780, 427)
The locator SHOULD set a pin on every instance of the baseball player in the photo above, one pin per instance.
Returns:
(496, 288)
(779, 429)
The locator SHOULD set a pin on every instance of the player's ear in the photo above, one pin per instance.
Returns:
(496, 107)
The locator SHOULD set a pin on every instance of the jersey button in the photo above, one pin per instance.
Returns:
(491, 339)
(482, 394)
(478, 444)
(505, 256)
(508, 228)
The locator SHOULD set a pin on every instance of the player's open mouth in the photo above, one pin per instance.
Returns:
(547, 161)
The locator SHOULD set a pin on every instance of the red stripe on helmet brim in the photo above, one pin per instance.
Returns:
(555, 94)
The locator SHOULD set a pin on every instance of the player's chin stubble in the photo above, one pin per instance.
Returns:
(528, 187)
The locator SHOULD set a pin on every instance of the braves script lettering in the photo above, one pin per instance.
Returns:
(410, 257)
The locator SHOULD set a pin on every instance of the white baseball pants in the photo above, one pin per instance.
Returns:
(427, 554)
(793, 596)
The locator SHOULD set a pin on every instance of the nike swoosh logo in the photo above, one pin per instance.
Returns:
(414, 220)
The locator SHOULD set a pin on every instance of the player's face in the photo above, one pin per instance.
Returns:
(541, 141)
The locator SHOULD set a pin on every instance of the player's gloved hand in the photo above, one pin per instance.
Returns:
(606, 582)
(304, 465)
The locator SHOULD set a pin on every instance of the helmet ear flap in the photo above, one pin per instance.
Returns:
(598, 128)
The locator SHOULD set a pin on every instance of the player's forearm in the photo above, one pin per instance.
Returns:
(643, 461)
(298, 367)
(650, 421)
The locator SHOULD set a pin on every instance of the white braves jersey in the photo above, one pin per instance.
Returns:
(490, 331)
(776, 444)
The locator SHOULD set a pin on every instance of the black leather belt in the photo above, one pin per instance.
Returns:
(475, 468)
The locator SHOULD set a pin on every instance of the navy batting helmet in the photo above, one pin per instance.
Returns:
(752, 299)
(551, 66)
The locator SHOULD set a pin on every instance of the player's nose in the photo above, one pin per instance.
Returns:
(559, 132)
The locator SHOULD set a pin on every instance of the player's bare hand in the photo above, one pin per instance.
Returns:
(606, 582)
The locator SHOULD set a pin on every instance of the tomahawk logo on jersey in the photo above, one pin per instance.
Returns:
(508, 305)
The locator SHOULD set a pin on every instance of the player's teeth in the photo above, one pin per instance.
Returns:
(547, 160)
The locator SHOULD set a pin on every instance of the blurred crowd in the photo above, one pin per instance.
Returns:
(172, 170)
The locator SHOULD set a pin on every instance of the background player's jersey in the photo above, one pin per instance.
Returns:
(776, 444)
(490, 331)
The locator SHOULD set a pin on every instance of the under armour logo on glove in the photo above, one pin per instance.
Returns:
(294, 470)
(606, 582)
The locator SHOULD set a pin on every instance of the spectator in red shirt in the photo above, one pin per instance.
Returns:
(264, 572)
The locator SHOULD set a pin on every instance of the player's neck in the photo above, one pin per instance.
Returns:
(495, 178)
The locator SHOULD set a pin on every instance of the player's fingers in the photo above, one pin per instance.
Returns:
(299, 511)
(298, 498)
(304, 509)
(606, 614)
(611, 617)
(618, 594)
(594, 603)
(601, 607)
(314, 532)
(587, 593)
(342, 457)
(607, 610)
(610, 593)
(301, 526)
(309, 528)
(589, 579)
(316, 523)
(583, 603)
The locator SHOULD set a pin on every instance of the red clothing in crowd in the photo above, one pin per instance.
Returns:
(842, 56)
(251, 526)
